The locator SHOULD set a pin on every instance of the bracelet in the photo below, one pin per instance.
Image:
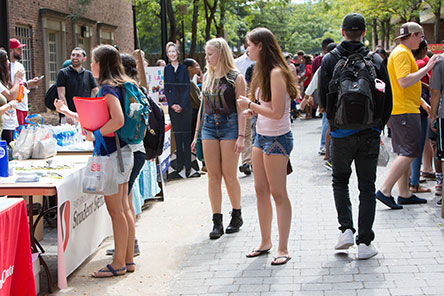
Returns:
(249, 104)
(242, 136)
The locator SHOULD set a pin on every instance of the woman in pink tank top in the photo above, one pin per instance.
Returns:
(272, 87)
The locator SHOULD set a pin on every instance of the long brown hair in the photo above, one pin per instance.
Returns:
(111, 68)
(4, 69)
(270, 57)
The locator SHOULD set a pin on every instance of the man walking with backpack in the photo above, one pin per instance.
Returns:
(357, 112)
(405, 122)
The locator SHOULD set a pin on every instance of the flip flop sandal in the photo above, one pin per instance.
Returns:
(419, 189)
(256, 253)
(130, 264)
(275, 262)
(428, 175)
(110, 272)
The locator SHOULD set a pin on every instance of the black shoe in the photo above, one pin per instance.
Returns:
(388, 201)
(236, 221)
(412, 200)
(245, 168)
(439, 202)
(218, 228)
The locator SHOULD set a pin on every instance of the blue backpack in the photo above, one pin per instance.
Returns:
(136, 121)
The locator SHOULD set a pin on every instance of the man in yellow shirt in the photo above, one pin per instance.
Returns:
(405, 121)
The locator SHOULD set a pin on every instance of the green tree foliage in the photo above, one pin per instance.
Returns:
(296, 25)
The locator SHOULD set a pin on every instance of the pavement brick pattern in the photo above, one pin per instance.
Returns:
(410, 242)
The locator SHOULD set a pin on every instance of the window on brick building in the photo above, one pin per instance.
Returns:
(24, 35)
(106, 37)
(83, 40)
(54, 48)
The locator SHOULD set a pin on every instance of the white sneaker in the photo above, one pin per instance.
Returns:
(345, 240)
(366, 252)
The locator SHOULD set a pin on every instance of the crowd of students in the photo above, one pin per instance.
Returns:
(235, 113)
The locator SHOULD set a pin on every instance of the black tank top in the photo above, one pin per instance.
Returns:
(222, 100)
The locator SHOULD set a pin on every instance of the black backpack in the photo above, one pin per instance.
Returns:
(50, 96)
(353, 81)
(155, 133)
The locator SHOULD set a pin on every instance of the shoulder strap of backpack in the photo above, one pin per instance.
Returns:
(336, 53)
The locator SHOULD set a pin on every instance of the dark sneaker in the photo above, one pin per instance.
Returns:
(412, 200)
(439, 202)
(328, 165)
(245, 168)
(110, 252)
(388, 201)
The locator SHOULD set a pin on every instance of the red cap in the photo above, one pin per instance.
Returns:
(14, 43)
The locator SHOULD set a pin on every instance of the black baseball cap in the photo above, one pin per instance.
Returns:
(353, 22)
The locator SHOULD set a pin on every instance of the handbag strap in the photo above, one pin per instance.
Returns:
(99, 142)
(34, 116)
(119, 153)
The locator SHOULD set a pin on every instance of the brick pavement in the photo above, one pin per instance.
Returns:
(410, 243)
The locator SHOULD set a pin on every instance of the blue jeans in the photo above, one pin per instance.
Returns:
(276, 145)
(220, 127)
(416, 164)
(362, 148)
(324, 129)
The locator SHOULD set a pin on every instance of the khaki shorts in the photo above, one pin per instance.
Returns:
(128, 162)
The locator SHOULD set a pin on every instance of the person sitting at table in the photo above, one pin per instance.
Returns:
(106, 66)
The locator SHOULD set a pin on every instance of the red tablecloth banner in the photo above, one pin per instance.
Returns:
(16, 275)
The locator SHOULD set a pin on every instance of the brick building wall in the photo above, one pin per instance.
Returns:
(110, 19)
(429, 32)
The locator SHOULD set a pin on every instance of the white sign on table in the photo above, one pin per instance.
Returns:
(82, 224)
(154, 79)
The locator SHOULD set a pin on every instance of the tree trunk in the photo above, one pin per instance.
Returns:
(383, 33)
(194, 27)
(172, 19)
(210, 12)
(387, 32)
(221, 27)
(375, 33)
(437, 24)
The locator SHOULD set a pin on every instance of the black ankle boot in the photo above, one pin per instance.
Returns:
(236, 221)
(218, 228)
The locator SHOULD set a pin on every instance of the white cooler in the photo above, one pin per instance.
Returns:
(36, 271)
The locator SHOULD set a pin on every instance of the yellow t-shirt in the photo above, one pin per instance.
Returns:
(400, 64)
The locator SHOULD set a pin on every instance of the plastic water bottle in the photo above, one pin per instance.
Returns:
(20, 92)
(4, 164)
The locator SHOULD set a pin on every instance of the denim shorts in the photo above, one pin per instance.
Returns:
(276, 145)
(220, 127)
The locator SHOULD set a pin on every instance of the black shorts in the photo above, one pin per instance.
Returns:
(440, 138)
(432, 134)
(406, 134)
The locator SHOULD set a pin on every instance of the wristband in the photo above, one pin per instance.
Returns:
(249, 104)
(242, 136)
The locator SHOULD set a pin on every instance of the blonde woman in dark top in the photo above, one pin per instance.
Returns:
(223, 132)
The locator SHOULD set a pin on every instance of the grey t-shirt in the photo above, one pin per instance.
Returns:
(437, 82)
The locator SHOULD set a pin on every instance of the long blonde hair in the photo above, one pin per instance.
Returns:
(225, 63)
